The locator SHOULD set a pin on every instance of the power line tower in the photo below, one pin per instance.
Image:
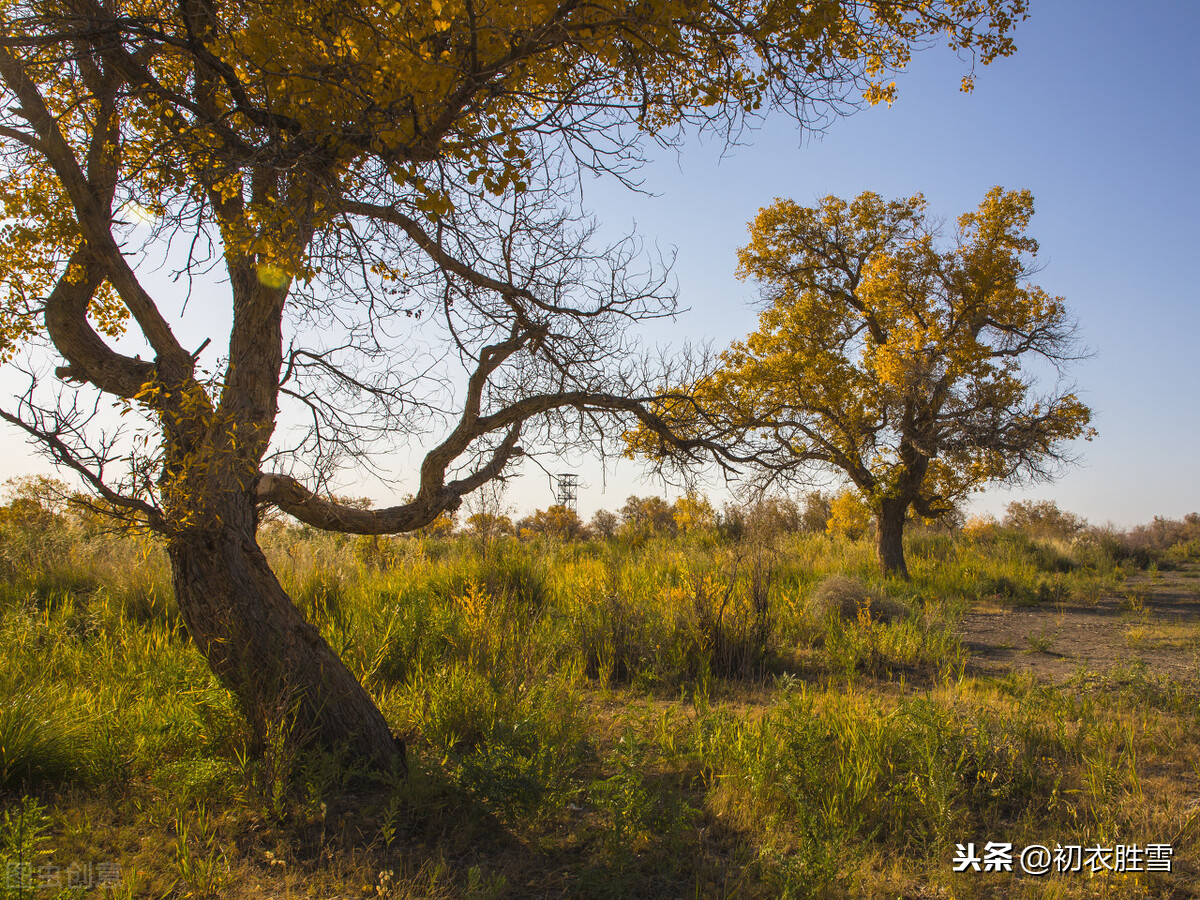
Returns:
(567, 492)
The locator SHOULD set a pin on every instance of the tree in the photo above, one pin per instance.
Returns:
(489, 525)
(693, 512)
(895, 357)
(559, 522)
(1042, 518)
(849, 516)
(818, 507)
(644, 517)
(34, 524)
(488, 514)
(385, 192)
(604, 523)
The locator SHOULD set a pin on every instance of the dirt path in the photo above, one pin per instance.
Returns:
(1152, 627)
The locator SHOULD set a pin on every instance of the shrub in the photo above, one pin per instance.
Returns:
(605, 523)
(1042, 518)
(816, 512)
(643, 517)
(764, 519)
(734, 621)
(559, 522)
(838, 597)
(693, 512)
(375, 552)
(489, 525)
(1166, 542)
(849, 516)
(848, 599)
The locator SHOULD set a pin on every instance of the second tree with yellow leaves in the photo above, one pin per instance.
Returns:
(896, 356)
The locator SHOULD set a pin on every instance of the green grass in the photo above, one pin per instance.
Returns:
(676, 718)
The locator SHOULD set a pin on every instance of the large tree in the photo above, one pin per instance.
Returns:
(895, 356)
(379, 189)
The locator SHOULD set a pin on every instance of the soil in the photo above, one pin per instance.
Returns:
(1150, 628)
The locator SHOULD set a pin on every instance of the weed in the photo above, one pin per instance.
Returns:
(1133, 600)
(484, 887)
(23, 847)
(269, 770)
(202, 867)
(1042, 640)
(623, 797)
(1136, 636)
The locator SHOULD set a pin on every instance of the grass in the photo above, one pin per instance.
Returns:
(679, 718)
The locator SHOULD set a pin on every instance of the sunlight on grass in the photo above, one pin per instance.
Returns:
(763, 718)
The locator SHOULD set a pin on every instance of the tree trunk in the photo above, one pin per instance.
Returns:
(891, 537)
(261, 647)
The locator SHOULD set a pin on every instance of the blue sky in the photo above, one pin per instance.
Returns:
(1096, 114)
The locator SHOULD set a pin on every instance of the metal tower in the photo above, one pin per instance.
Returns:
(567, 492)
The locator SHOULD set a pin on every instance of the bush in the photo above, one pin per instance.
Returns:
(838, 597)
(1164, 542)
(769, 518)
(848, 599)
(849, 516)
(693, 512)
(645, 517)
(558, 522)
(1042, 518)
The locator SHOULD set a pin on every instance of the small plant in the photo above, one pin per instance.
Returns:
(199, 860)
(1053, 590)
(269, 778)
(1090, 591)
(1136, 637)
(733, 621)
(1134, 600)
(113, 755)
(35, 744)
(623, 797)
(1040, 641)
(484, 887)
(22, 848)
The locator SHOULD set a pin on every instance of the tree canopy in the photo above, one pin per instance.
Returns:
(896, 356)
(386, 190)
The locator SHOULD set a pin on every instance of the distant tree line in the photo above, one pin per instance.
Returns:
(41, 516)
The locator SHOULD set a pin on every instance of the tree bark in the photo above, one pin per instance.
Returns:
(891, 537)
(263, 649)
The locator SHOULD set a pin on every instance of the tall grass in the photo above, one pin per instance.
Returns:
(655, 714)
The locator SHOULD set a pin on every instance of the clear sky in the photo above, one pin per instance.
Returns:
(1097, 114)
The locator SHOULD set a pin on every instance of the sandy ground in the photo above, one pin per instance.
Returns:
(1150, 628)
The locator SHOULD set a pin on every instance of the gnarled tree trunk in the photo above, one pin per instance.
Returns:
(263, 649)
(891, 537)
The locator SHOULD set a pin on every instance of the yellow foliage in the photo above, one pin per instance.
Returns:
(442, 526)
(892, 354)
(382, 92)
(900, 359)
(693, 512)
(557, 521)
(980, 527)
(849, 515)
(265, 128)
